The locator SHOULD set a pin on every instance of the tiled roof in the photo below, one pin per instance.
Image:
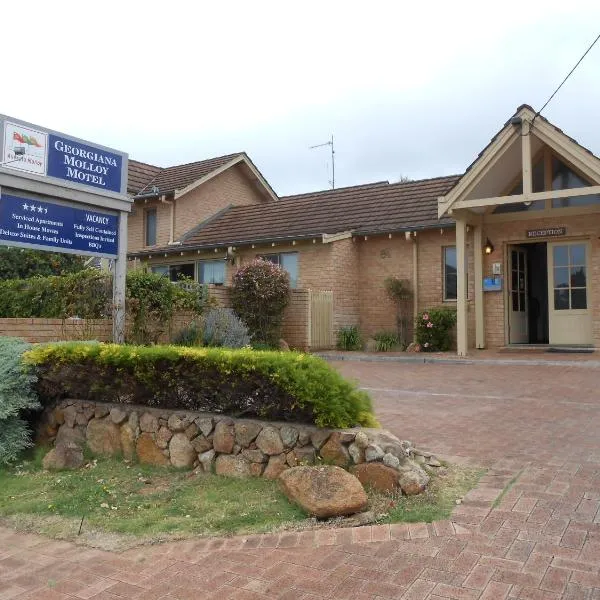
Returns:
(178, 177)
(139, 174)
(369, 209)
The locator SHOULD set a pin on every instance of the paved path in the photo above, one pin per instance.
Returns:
(540, 424)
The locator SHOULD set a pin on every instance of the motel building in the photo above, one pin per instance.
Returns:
(527, 215)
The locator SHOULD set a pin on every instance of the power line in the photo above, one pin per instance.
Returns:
(565, 79)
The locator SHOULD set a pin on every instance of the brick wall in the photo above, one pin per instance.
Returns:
(54, 330)
(345, 283)
(229, 187)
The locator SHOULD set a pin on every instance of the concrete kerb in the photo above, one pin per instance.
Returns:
(420, 359)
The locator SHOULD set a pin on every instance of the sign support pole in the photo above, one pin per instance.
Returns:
(119, 283)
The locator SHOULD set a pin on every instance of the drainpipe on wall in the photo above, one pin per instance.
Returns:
(415, 282)
(172, 225)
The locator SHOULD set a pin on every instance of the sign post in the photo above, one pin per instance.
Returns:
(62, 194)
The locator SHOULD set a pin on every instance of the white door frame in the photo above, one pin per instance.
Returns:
(518, 321)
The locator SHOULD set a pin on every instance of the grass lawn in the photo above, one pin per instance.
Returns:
(123, 503)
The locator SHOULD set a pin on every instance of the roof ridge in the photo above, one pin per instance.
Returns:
(425, 179)
(195, 162)
(141, 162)
(383, 182)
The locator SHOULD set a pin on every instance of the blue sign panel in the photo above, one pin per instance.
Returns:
(54, 226)
(80, 163)
(492, 284)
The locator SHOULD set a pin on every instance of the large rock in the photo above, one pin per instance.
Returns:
(269, 441)
(414, 482)
(148, 423)
(325, 491)
(163, 437)
(148, 452)
(103, 437)
(70, 415)
(232, 466)
(276, 466)
(373, 452)
(319, 437)
(117, 415)
(181, 450)
(361, 440)
(206, 459)
(357, 453)
(127, 441)
(305, 455)
(67, 435)
(377, 475)
(205, 425)
(177, 423)
(246, 432)
(289, 436)
(224, 437)
(63, 456)
(334, 452)
(255, 456)
(201, 444)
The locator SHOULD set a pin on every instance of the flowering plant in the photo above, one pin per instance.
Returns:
(434, 329)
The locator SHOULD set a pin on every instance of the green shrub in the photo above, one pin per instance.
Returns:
(434, 329)
(285, 386)
(222, 327)
(17, 397)
(259, 294)
(386, 340)
(190, 335)
(21, 263)
(348, 338)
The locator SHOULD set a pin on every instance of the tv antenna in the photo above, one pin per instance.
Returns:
(329, 143)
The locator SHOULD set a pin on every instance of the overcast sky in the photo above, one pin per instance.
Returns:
(406, 88)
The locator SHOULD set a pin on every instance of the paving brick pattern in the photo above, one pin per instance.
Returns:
(542, 542)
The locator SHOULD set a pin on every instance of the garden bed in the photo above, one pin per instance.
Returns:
(121, 504)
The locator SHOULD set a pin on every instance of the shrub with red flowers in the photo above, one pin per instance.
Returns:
(435, 328)
(259, 294)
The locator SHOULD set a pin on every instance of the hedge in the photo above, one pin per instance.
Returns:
(286, 386)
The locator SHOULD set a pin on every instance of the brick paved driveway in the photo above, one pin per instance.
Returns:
(541, 424)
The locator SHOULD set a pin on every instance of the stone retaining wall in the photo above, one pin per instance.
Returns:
(227, 446)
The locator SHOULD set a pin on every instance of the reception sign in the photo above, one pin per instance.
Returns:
(50, 226)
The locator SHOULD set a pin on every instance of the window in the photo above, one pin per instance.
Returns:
(450, 275)
(175, 272)
(570, 278)
(564, 178)
(150, 227)
(537, 177)
(287, 261)
(211, 271)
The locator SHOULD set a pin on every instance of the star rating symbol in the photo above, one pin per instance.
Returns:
(31, 207)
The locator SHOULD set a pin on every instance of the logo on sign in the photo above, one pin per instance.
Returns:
(25, 149)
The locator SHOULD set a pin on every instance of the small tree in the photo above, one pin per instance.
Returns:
(21, 263)
(259, 294)
(398, 290)
(17, 398)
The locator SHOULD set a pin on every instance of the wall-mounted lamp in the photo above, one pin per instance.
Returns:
(489, 247)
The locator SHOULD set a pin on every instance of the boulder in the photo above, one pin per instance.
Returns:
(319, 437)
(100, 411)
(201, 444)
(117, 415)
(224, 437)
(276, 466)
(82, 418)
(232, 466)
(357, 454)
(334, 452)
(391, 461)
(305, 455)
(70, 414)
(289, 436)
(255, 456)
(291, 460)
(206, 459)
(181, 450)
(246, 432)
(325, 491)
(191, 431)
(103, 437)
(361, 439)
(269, 441)
(163, 437)
(205, 425)
(373, 452)
(148, 423)
(148, 452)
(127, 435)
(304, 436)
(63, 456)
(256, 469)
(66, 435)
(58, 416)
(177, 423)
(134, 421)
(413, 482)
(378, 476)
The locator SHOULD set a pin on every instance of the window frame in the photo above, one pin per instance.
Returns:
(147, 212)
(268, 256)
(200, 266)
(445, 297)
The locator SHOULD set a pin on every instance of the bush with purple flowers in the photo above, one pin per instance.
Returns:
(434, 329)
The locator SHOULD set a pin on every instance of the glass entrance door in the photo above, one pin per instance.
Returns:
(568, 293)
(518, 300)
